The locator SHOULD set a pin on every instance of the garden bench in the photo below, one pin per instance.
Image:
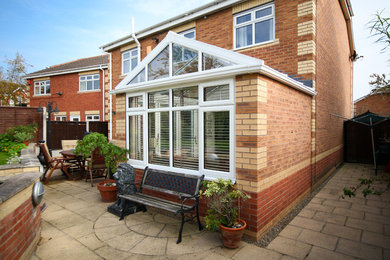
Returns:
(185, 187)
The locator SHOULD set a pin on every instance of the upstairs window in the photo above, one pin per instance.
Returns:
(190, 34)
(89, 82)
(92, 118)
(129, 60)
(42, 87)
(254, 26)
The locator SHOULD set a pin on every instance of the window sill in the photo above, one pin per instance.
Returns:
(257, 46)
(43, 95)
(88, 91)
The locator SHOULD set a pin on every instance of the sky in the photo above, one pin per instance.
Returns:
(50, 32)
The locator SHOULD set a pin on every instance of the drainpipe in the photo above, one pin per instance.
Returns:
(110, 99)
(103, 92)
(135, 39)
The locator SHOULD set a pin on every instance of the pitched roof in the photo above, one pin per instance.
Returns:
(71, 66)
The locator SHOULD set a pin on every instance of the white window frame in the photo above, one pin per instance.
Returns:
(41, 84)
(95, 118)
(83, 78)
(59, 118)
(74, 117)
(189, 31)
(129, 59)
(253, 21)
(202, 107)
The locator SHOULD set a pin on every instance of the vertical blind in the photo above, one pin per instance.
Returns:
(136, 137)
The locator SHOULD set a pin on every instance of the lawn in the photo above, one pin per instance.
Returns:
(3, 158)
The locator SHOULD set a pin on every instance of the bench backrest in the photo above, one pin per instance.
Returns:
(68, 144)
(170, 182)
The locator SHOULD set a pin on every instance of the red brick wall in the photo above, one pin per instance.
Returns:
(18, 230)
(378, 104)
(71, 99)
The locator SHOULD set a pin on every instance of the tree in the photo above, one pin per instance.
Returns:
(12, 79)
(380, 29)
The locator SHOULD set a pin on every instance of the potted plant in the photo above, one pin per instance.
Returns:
(223, 210)
(23, 137)
(113, 155)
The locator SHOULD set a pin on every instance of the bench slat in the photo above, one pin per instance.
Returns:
(154, 202)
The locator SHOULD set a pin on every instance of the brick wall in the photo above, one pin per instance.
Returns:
(18, 230)
(378, 104)
(72, 102)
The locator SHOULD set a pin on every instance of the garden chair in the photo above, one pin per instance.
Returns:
(96, 166)
(54, 163)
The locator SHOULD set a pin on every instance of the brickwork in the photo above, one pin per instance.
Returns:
(18, 230)
(378, 104)
(71, 100)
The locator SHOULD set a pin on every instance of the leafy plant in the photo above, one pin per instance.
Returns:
(223, 203)
(113, 154)
(367, 186)
(14, 159)
(23, 136)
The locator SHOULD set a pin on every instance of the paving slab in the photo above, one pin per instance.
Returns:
(255, 252)
(360, 250)
(318, 253)
(307, 223)
(365, 225)
(376, 239)
(342, 231)
(290, 247)
(330, 217)
(318, 239)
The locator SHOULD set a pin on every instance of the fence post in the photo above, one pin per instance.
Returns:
(44, 126)
(87, 126)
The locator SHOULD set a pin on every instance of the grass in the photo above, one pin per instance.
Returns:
(3, 158)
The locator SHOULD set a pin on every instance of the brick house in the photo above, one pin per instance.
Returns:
(79, 87)
(375, 103)
(245, 90)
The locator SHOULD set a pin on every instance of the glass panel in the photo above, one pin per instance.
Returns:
(264, 12)
(184, 60)
(96, 84)
(216, 143)
(126, 66)
(190, 35)
(185, 139)
(136, 148)
(83, 86)
(264, 31)
(47, 87)
(210, 62)
(134, 63)
(89, 85)
(134, 53)
(96, 76)
(243, 18)
(89, 77)
(135, 102)
(244, 36)
(82, 78)
(158, 130)
(159, 66)
(139, 78)
(185, 96)
(158, 99)
(126, 55)
(216, 93)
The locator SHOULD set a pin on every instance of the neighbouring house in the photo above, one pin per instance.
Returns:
(254, 91)
(375, 103)
(12, 94)
(79, 88)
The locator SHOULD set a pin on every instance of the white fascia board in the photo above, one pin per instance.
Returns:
(175, 21)
(60, 72)
(225, 72)
(284, 78)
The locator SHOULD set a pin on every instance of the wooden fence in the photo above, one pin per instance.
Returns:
(67, 130)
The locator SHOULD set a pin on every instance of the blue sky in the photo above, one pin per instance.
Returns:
(50, 32)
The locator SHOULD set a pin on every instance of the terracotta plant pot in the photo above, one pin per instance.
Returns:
(108, 193)
(231, 237)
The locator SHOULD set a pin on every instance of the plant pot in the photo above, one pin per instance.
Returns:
(108, 193)
(231, 237)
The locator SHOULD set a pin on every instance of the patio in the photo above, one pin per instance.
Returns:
(76, 224)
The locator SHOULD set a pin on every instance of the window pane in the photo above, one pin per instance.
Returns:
(89, 77)
(159, 66)
(210, 62)
(126, 66)
(139, 78)
(134, 53)
(190, 35)
(264, 31)
(136, 137)
(185, 96)
(264, 12)
(216, 93)
(158, 138)
(89, 85)
(216, 141)
(47, 89)
(243, 18)
(96, 76)
(135, 102)
(83, 85)
(185, 139)
(96, 84)
(244, 36)
(158, 99)
(134, 63)
(126, 55)
(184, 60)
